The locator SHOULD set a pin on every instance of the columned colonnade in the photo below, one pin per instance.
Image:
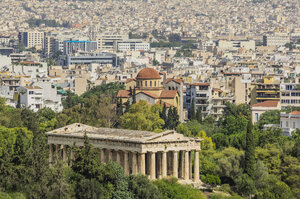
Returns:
(156, 155)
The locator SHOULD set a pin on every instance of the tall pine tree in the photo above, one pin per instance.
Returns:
(250, 150)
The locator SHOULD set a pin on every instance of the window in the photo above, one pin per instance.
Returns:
(294, 125)
(31, 92)
(150, 83)
(287, 124)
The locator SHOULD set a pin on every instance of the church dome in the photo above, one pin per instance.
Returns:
(148, 73)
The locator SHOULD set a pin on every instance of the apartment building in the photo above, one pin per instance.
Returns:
(109, 41)
(218, 101)
(236, 44)
(32, 39)
(276, 40)
(133, 45)
(289, 122)
(49, 46)
(268, 89)
(40, 95)
(201, 93)
(290, 94)
(100, 58)
(72, 47)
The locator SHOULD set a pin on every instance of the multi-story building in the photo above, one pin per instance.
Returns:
(218, 101)
(289, 122)
(201, 93)
(290, 94)
(37, 97)
(49, 46)
(235, 45)
(109, 41)
(268, 90)
(276, 40)
(72, 47)
(133, 45)
(100, 58)
(32, 39)
(13, 82)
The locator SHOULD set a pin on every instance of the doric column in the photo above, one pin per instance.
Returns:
(72, 155)
(118, 157)
(152, 166)
(57, 150)
(181, 164)
(196, 167)
(142, 163)
(126, 163)
(164, 164)
(175, 164)
(191, 165)
(50, 154)
(102, 155)
(110, 155)
(134, 163)
(186, 165)
(65, 153)
(158, 165)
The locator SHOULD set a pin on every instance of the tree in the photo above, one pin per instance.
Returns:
(141, 116)
(119, 108)
(163, 113)
(250, 151)
(269, 117)
(141, 187)
(199, 115)
(192, 110)
(134, 96)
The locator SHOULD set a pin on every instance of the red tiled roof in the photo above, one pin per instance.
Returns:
(123, 94)
(295, 113)
(266, 104)
(162, 103)
(175, 80)
(200, 84)
(168, 94)
(149, 94)
(148, 73)
(129, 80)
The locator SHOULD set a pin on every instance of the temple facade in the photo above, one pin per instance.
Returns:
(156, 155)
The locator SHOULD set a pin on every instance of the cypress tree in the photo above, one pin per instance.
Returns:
(199, 115)
(163, 114)
(119, 108)
(175, 118)
(133, 96)
(192, 110)
(127, 106)
(250, 151)
(169, 118)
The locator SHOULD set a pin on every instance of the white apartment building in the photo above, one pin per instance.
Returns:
(133, 45)
(201, 93)
(289, 122)
(236, 44)
(276, 40)
(32, 39)
(32, 69)
(218, 101)
(31, 97)
(9, 95)
(37, 97)
(290, 94)
(108, 41)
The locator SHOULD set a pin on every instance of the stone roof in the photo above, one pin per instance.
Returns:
(135, 136)
(200, 84)
(148, 73)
